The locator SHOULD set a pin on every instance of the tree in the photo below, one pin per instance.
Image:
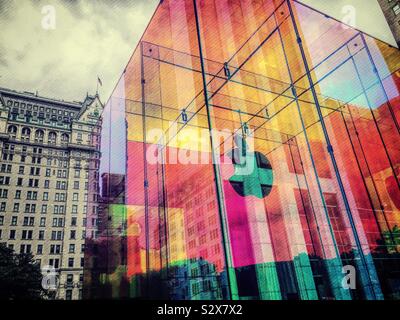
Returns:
(20, 276)
(390, 240)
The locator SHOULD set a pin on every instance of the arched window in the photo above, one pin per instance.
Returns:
(64, 138)
(12, 130)
(39, 135)
(26, 133)
(52, 137)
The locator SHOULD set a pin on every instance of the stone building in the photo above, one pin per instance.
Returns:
(49, 151)
(391, 10)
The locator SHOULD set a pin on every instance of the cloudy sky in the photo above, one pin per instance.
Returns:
(97, 37)
(91, 37)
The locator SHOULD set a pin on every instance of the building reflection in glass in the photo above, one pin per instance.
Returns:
(321, 101)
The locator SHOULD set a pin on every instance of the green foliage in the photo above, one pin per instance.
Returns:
(20, 276)
(391, 239)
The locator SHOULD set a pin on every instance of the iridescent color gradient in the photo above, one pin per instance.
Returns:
(323, 102)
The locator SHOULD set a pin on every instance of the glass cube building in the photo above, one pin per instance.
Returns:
(250, 150)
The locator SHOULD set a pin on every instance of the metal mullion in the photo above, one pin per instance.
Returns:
(313, 163)
(381, 83)
(232, 287)
(374, 120)
(370, 173)
(331, 154)
(145, 182)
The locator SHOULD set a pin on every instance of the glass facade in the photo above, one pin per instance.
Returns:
(250, 151)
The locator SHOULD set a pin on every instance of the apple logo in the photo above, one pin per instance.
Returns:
(253, 172)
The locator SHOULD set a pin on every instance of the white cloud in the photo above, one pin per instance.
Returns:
(97, 38)
(91, 38)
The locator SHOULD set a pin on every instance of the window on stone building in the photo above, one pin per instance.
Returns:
(68, 295)
(12, 130)
(26, 133)
(396, 9)
(39, 135)
(12, 234)
(52, 137)
(64, 138)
